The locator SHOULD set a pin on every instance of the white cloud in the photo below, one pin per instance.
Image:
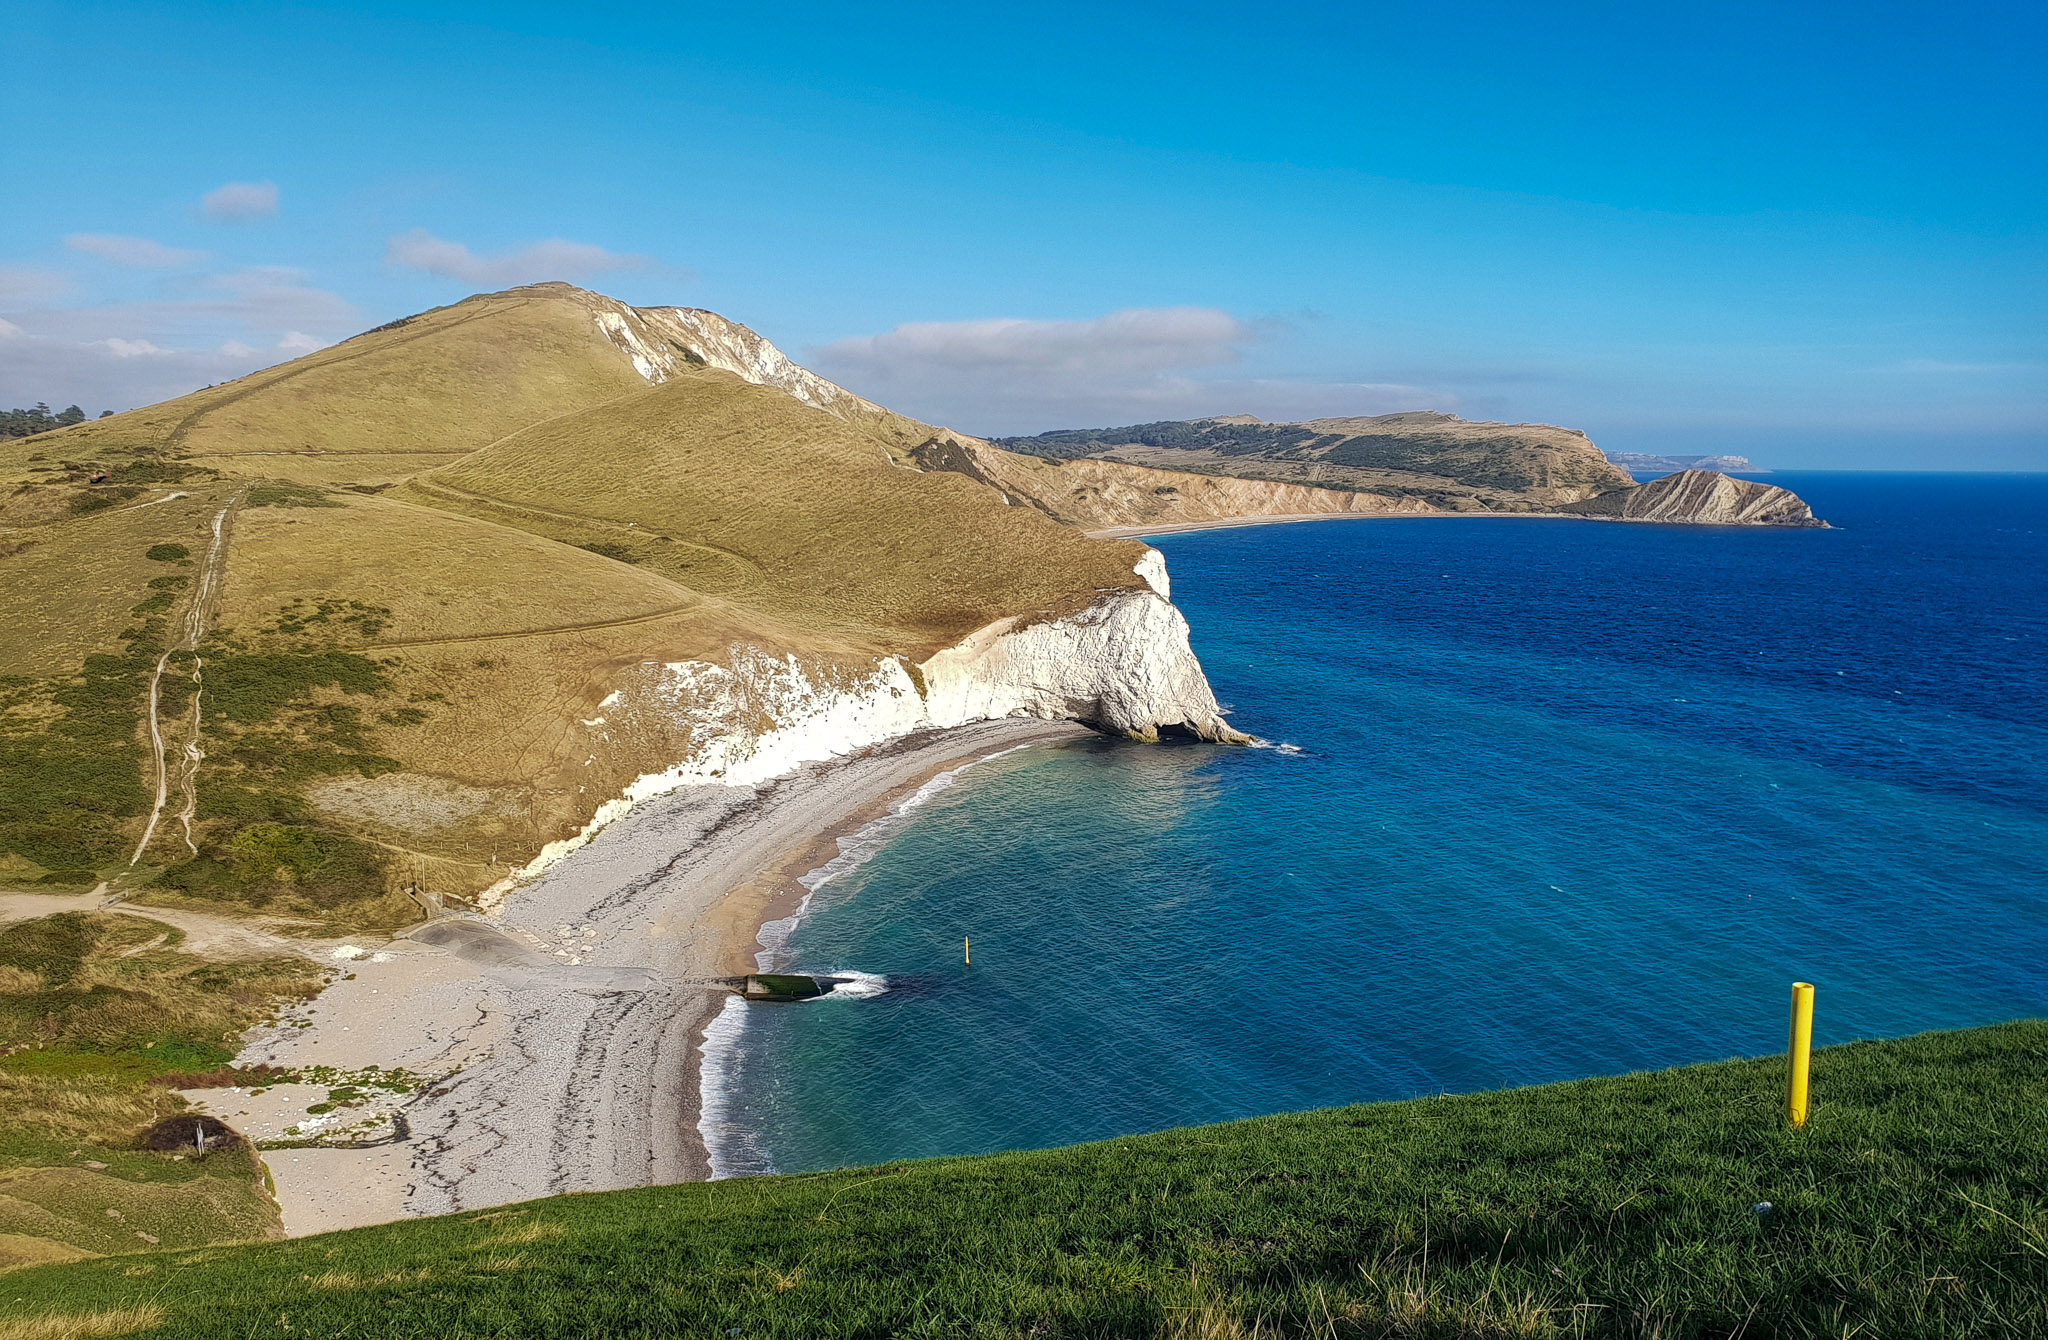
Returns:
(1141, 341)
(114, 373)
(9, 331)
(1016, 376)
(237, 349)
(277, 297)
(555, 258)
(240, 200)
(24, 283)
(299, 342)
(136, 251)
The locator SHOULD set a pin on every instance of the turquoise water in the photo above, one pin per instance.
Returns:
(1557, 799)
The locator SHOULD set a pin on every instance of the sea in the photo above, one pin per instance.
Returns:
(1535, 799)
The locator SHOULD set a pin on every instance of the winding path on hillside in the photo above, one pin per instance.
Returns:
(197, 614)
(627, 528)
(175, 439)
(454, 639)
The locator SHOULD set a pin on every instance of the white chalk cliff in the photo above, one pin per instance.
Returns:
(1122, 665)
(662, 340)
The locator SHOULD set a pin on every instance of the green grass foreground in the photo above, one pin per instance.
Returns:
(1912, 1205)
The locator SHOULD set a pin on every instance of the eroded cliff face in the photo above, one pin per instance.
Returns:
(662, 340)
(1702, 498)
(1122, 665)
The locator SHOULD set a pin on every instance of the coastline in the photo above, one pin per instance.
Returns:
(562, 1038)
(1286, 518)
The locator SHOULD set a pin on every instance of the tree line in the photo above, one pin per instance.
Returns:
(28, 422)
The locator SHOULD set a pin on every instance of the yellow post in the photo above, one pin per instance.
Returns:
(1801, 1053)
(967, 950)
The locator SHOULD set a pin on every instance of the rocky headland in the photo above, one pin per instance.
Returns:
(1701, 498)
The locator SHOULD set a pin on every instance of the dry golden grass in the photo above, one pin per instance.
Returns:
(840, 538)
(18, 1250)
(81, 1325)
(95, 1005)
(105, 1214)
(370, 470)
(448, 380)
(522, 1234)
(79, 1107)
(113, 986)
(439, 575)
(70, 592)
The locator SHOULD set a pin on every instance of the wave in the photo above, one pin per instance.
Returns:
(733, 1147)
(856, 849)
(857, 986)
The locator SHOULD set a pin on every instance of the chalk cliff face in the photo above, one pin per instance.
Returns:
(1702, 498)
(661, 341)
(1122, 665)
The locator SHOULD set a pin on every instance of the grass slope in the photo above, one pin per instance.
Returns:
(1912, 1205)
(94, 1007)
(814, 524)
(420, 391)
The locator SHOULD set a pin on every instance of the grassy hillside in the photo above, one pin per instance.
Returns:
(378, 593)
(793, 512)
(94, 1008)
(377, 407)
(1438, 458)
(1914, 1204)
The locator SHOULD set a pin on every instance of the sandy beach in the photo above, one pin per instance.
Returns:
(561, 1035)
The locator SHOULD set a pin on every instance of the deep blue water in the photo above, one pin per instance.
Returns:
(1570, 799)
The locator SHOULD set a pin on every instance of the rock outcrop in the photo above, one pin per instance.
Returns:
(1701, 498)
(662, 341)
(1122, 665)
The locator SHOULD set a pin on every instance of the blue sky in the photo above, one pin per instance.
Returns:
(1813, 234)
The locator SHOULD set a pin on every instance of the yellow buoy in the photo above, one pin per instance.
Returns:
(967, 950)
(1801, 1053)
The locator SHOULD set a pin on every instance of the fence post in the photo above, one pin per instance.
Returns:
(1800, 1053)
